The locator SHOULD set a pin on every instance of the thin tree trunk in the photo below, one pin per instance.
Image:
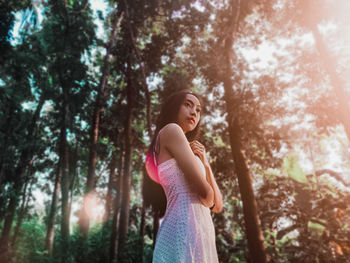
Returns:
(64, 174)
(5, 145)
(111, 182)
(84, 221)
(250, 209)
(124, 213)
(116, 210)
(143, 71)
(5, 235)
(22, 211)
(148, 112)
(51, 219)
(143, 217)
(73, 157)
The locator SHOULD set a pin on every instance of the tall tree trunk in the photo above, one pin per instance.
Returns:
(133, 37)
(143, 216)
(148, 112)
(124, 212)
(116, 206)
(5, 145)
(51, 218)
(115, 163)
(22, 210)
(250, 209)
(84, 221)
(73, 160)
(61, 178)
(64, 174)
(5, 235)
(111, 182)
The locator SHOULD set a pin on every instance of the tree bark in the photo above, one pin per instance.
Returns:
(125, 207)
(22, 211)
(84, 221)
(73, 160)
(116, 210)
(64, 175)
(111, 182)
(51, 219)
(5, 235)
(5, 145)
(143, 217)
(250, 210)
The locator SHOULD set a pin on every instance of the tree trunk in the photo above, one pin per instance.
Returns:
(116, 210)
(124, 212)
(250, 210)
(4, 147)
(111, 182)
(148, 107)
(51, 219)
(143, 216)
(22, 211)
(5, 235)
(64, 175)
(84, 221)
(73, 160)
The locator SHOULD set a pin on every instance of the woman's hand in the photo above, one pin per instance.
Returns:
(199, 150)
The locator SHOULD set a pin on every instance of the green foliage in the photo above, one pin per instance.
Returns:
(30, 246)
(302, 223)
(293, 170)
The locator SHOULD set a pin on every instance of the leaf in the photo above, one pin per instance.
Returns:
(292, 168)
(316, 228)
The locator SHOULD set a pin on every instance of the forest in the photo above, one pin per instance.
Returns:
(81, 85)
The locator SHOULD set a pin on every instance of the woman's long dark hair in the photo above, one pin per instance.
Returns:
(153, 192)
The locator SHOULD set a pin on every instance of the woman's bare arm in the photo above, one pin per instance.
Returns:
(219, 204)
(199, 150)
(175, 141)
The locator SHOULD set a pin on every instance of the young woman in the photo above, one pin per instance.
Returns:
(179, 164)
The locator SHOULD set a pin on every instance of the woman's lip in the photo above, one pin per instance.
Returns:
(192, 121)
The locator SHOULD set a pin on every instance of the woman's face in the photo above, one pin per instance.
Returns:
(189, 113)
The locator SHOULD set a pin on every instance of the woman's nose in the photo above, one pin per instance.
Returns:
(193, 112)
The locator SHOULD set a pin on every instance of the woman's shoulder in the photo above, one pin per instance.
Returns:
(171, 130)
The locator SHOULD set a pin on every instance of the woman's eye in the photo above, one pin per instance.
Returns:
(198, 110)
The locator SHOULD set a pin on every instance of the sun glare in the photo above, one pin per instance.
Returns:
(94, 207)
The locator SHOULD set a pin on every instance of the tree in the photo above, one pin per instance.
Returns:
(84, 220)
(67, 70)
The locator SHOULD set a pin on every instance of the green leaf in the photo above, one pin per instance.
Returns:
(292, 168)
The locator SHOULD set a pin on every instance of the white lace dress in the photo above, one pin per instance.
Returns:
(186, 233)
